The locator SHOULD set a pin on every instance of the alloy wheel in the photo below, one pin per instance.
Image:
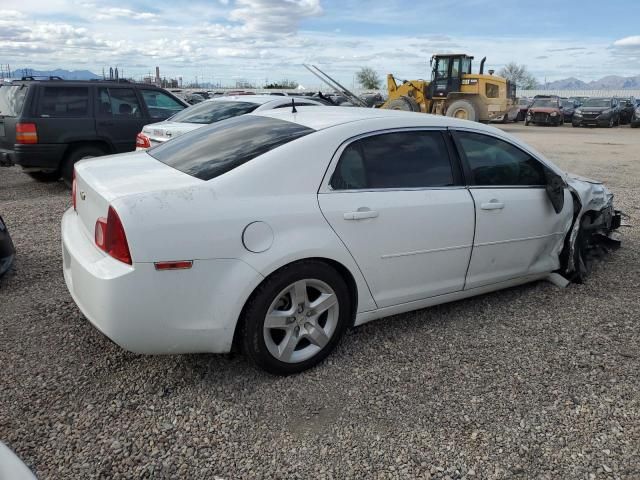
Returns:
(301, 320)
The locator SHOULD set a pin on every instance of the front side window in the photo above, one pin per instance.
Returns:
(211, 151)
(494, 162)
(118, 102)
(160, 105)
(214, 111)
(442, 68)
(492, 90)
(65, 102)
(394, 160)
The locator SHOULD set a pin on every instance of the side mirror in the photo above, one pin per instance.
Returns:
(555, 189)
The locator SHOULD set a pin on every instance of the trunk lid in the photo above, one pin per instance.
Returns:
(101, 180)
(163, 131)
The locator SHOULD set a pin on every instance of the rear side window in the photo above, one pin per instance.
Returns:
(160, 105)
(494, 162)
(211, 112)
(12, 99)
(394, 160)
(118, 102)
(65, 102)
(209, 152)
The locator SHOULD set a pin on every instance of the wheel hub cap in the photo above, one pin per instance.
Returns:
(301, 321)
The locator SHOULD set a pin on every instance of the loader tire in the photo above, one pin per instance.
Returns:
(463, 109)
(403, 103)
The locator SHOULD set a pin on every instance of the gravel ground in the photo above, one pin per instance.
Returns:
(531, 382)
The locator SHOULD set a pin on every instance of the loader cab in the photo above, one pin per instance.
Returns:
(446, 74)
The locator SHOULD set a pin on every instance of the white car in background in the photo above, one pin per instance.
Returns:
(211, 111)
(277, 230)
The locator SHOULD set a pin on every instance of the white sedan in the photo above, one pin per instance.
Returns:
(211, 111)
(273, 232)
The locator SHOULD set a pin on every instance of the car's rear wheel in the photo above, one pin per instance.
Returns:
(75, 155)
(296, 317)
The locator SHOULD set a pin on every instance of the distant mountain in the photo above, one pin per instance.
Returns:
(610, 82)
(58, 72)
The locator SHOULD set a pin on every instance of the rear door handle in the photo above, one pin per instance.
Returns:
(492, 205)
(361, 214)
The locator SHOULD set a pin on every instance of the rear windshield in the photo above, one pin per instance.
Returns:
(210, 112)
(211, 151)
(12, 99)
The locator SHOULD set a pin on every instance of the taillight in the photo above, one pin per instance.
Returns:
(26, 133)
(74, 190)
(110, 237)
(142, 141)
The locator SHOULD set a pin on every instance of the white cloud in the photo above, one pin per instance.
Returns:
(273, 16)
(125, 13)
(633, 42)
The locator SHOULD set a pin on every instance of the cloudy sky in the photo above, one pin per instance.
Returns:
(223, 40)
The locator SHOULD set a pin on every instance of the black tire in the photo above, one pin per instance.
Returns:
(45, 177)
(581, 262)
(526, 123)
(76, 155)
(404, 103)
(635, 125)
(463, 106)
(256, 309)
(611, 123)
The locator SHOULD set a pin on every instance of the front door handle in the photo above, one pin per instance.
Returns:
(361, 214)
(493, 204)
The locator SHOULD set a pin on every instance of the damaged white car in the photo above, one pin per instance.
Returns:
(275, 231)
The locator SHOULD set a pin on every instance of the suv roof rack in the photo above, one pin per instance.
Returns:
(30, 78)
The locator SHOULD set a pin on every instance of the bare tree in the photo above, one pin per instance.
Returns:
(519, 75)
(368, 78)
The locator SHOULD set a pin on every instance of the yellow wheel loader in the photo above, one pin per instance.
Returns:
(454, 91)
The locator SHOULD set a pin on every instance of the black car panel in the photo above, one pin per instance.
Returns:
(7, 250)
(62, 116)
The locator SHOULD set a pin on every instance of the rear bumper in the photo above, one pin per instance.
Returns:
(151, 312)
(45, 157)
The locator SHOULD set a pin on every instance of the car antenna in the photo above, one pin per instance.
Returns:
(293, 106)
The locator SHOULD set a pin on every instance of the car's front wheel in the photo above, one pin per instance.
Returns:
(296, 317)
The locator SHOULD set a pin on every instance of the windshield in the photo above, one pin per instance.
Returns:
(567, 104)
(597, 102)
(545, 103)
(524, 101)
(12, 99)
(211, 112)
(211, 151)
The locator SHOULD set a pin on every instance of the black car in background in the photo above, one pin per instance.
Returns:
(523, 106)
(7, 250)
(635, 118)
(568, 108)
(597, 112)
(48, 125)
(627, 108)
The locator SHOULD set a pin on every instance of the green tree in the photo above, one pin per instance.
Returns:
(368, 78)
(519, 75)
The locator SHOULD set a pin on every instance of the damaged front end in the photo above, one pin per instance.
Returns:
(593, 231)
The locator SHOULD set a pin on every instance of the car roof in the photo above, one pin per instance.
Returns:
(319, 119)
(258, 99)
